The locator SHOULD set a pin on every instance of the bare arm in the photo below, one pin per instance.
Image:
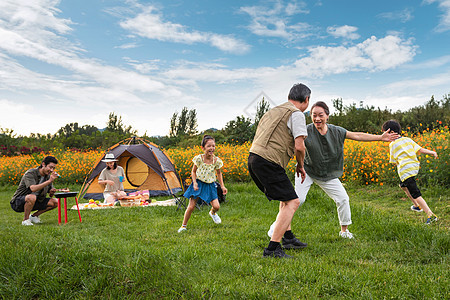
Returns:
(300, 151)
(40, 186)
(105, 181)
(429, 152)
(110, 182)
(387, 136)
(194, 177)
(220, 178)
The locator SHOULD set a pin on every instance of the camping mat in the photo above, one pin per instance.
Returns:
(83, 206)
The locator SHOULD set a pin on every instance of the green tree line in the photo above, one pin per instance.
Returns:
(183, 127)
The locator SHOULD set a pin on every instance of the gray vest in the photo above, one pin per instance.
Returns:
(273, 140)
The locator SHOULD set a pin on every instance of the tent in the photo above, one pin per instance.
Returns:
(146, 167)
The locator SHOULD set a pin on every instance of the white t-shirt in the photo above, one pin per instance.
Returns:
(297, 124)
(108, 175)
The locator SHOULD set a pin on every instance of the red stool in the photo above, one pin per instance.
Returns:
(64, 196)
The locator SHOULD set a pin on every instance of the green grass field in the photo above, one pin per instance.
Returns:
(136, 253)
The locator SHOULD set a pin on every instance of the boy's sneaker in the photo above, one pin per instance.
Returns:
(27, 222)
(293, 243)
(346, 234)
(272, 227)
(431, 219)
(35, 220)
(181, 229)
(215, 218)
(278, 253)
(416, 208)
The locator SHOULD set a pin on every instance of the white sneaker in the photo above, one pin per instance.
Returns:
(215, 218)
(181, 229)
(27, 222)
(270, 232)
(35, 220)
(346, 234)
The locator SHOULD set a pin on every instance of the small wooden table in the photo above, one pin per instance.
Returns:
(64, 196)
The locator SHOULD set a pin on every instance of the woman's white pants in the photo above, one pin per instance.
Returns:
(333, 188)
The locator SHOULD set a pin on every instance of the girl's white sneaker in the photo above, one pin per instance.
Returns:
(215, 218)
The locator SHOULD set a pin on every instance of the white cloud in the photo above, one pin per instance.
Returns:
(38, 14)
(150, 24)
(127, 46)
(81, 86)
(402, 16)
(444, 24)
(9, 112)
(371, 55)
(29, 31)
(418, 85)
(144, 67)
(432, 63)
(275, 21)
(296, 7)
(444, 5)
(346, 32)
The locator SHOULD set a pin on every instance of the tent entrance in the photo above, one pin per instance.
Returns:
(136, 171)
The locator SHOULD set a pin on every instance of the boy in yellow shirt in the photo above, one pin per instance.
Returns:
(403, 152)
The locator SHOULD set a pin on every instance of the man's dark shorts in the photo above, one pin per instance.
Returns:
(270, 178)
(411, 185)
(19, 204)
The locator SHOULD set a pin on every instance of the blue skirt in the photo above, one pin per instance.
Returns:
(206, 191)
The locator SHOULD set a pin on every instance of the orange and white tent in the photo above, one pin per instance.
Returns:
(146, 167)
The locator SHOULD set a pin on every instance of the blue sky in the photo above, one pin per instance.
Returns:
(77, 61)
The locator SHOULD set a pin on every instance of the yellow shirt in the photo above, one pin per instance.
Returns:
(206, 172)
(403, 152)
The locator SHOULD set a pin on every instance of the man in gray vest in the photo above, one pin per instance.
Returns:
(280, 134)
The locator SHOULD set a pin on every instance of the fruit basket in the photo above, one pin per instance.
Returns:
(129, 202)
(132, 200)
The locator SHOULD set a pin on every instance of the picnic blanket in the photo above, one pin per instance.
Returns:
(83, 206)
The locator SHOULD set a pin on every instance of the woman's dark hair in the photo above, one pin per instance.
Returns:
(299, 92)
(115, 166)
(393, 125)
(323, 105)
(206, 138)
(47, 160)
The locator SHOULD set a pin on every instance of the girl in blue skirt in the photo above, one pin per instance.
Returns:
(203, 186)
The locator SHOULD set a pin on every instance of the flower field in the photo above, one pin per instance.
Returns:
(73, 166)
(365, 162)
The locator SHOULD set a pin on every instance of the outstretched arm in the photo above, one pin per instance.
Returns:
(429, 152)
(387, 136)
